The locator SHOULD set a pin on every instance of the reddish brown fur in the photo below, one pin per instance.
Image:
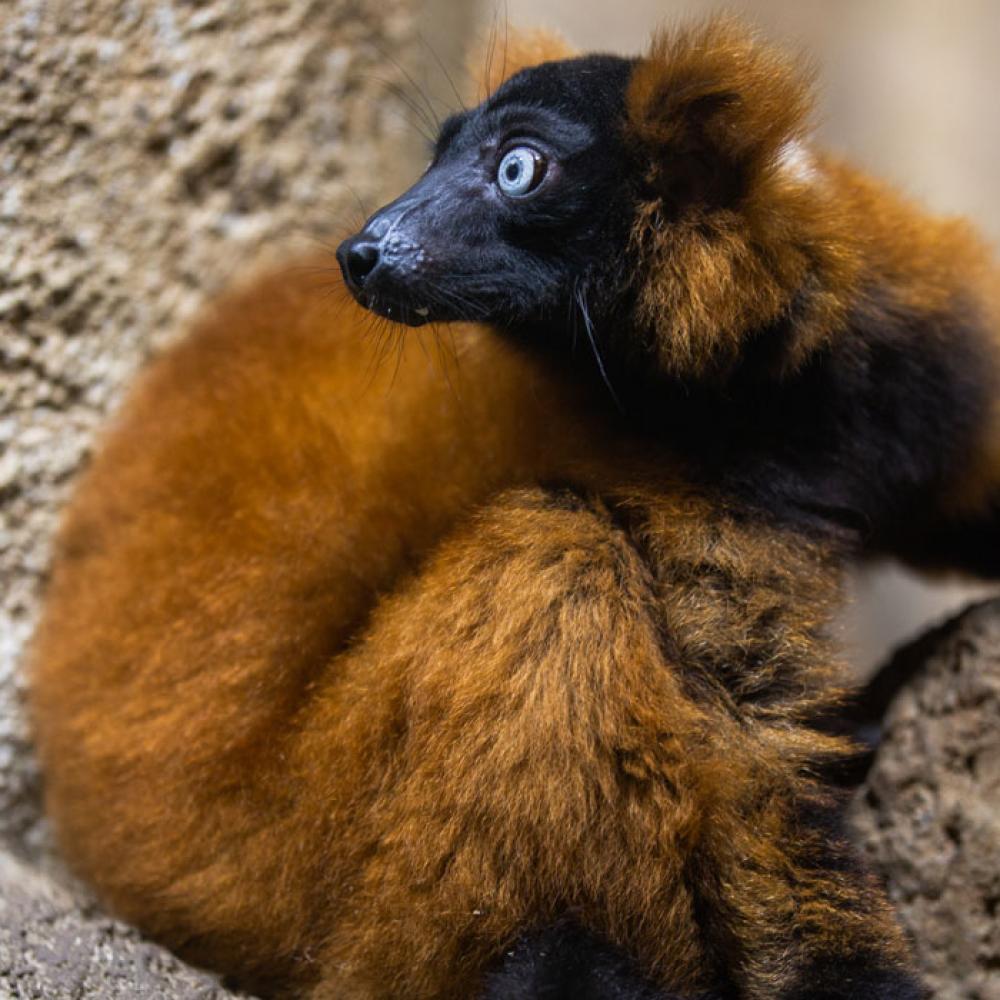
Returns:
(330, 694)
(252, 780)
(715, 277)
(814, 245)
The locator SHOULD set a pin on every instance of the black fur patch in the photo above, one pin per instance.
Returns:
(851, 447)
(462, 249)
(856, 980)
(971, 544)
(587, 88)
(565, 962)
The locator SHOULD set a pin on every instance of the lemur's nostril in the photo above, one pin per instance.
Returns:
(357, 257)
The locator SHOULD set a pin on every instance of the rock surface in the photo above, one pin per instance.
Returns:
(147, 152)
(929, 814)
(53, 946)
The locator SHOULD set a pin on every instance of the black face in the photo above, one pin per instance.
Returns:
(523, 209)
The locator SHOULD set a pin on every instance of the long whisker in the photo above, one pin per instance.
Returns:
(387, 335)
(573, 316)
(361, 204)
(490, 52)
(506, 39)
(443, 361)
(416, 86)
(454, 298)
(580, 296)
(424, 124)
(444, 70)
(400, 350)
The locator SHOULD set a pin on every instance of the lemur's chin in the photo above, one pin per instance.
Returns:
(404, 314)
(406, 309)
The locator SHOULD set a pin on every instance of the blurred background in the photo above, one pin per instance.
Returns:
(909, 89)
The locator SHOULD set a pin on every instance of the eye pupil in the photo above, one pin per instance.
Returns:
(521, 170)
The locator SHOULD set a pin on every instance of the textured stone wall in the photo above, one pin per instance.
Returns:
(53, 946)
(148, 150)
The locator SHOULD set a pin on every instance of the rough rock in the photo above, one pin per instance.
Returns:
(52, 947)
(928, 816)
(147, 152)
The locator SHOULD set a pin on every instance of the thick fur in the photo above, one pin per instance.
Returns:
(443, 681)
(787, 277)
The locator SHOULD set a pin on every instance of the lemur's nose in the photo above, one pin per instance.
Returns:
(358, 257)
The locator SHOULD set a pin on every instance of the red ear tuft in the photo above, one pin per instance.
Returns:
(714, 106)
(506, 53)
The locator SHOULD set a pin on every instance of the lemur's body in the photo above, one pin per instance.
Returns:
(349, 682)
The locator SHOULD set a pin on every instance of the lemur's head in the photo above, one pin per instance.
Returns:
(525, 198)
(668, 200)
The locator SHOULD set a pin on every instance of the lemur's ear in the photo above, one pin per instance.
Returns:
(711, 107)
(508, 51)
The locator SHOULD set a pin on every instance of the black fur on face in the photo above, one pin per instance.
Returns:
(465, 243)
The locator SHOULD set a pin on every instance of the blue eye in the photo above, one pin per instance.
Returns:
(521, 171)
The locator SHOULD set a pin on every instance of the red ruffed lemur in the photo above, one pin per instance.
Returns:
(359, 685)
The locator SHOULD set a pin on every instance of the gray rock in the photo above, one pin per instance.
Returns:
(148, 152)
(929, 814)
(53, 946)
